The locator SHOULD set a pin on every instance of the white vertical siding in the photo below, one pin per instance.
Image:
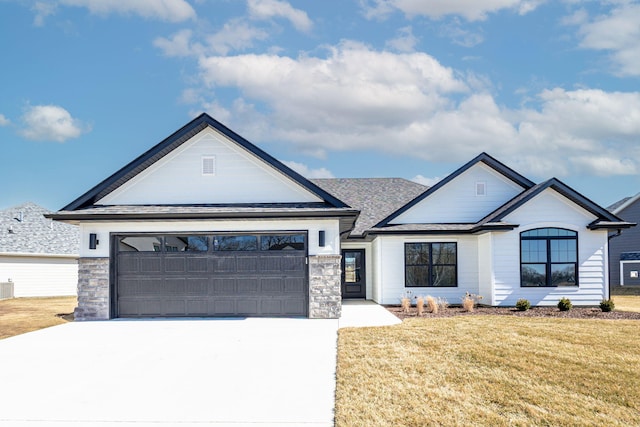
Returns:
(392, 278)
(457, 200)
(549, 209)
(40, 276)
(240, 177)
(377, 269)
(104, 229)
(485, 268)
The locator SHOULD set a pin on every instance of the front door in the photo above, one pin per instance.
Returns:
(353, 274)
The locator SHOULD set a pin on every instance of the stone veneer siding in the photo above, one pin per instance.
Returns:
(325, 297)
(93, 289)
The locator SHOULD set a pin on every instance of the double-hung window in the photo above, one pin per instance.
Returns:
(548, 257)
(430, 264)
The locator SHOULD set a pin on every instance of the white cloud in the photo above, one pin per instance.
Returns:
(409, 104)
(459, 35)
(617, 32)
(42, 10)
(163, 10)
(405, 42)
(266, 9)
(178, 44)
(51, 123)
(307, 172)
(4, 121)
(429, 182)
(471, 10)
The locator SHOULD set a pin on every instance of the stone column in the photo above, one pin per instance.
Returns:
(93, 289)
(325, 297)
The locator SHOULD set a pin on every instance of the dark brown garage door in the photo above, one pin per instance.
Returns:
(211, 275)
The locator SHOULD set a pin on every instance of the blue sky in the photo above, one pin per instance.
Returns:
(334, 88)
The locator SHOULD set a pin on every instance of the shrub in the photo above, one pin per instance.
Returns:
(405, 303)
(432, 304)
(420, 305)
(469, 301)
(523, 304)
(565, 304)
(607, 305)
(442, 303)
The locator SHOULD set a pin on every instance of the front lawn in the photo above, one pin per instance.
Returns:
(20, 315)
(490, 370)
(627, 302)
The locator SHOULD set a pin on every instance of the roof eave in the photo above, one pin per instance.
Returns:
(610, 225)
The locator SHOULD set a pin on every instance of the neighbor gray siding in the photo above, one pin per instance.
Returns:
(629, 241)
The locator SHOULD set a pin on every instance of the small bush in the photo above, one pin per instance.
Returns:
(443, 304)
(420, 305)
(469, 301)
(565, 304)
(607, 305)
(523, 304)
(432, 304)
(405, 303)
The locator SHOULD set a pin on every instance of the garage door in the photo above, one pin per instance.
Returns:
(211, 275)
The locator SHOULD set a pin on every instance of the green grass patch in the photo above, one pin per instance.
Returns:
(490, 370)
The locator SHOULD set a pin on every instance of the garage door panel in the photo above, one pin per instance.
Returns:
(213, 282)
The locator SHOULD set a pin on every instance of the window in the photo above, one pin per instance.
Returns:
(187, 243)
(140, 244)
(549, 257)
(430, 264)
(235, 243)
(284, 242)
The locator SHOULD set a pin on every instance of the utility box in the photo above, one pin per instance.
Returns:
(6, 290)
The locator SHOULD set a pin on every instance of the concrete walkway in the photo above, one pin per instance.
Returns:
(361, 313)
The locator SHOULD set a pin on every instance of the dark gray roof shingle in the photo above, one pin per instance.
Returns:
(375, 198)
(617, 204)
(24, 229)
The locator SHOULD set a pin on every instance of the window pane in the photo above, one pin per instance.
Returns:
(235, 243)
(187, 243)
(534, 250)
(443, 253)
(352, 264)
(444, 275)
(563, 274)
(563, 250)
(416, 254)
(140, 244)
(417, 276)
(534, 275)
(282, 242)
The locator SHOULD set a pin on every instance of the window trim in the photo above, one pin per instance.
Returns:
(430, 265)
(549, 263)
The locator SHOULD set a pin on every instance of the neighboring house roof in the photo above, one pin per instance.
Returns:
(630, 256)
(482, 157)
(605, 219)
(622, 204)
(375, 198)
(174, 141)
(25, 230)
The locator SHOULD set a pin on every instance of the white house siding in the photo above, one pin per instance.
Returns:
(240, 177)
(549, 209)
(457, 202)
(376, 276)
(485, 268)
(37, 275)
(368, 263)
(104, 229)
(392, 282)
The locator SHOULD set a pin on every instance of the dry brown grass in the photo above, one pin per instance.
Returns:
(20, 315)
(627, 302)
(490, 370)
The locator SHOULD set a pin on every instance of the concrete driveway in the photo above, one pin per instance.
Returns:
(266, 372)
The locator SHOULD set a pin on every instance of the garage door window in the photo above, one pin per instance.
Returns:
(140, 244)
(274, 242)
(186, 243)
(235, 243)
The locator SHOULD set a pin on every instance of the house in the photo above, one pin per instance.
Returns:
(207, 224)
(37, 255)
(624, 248)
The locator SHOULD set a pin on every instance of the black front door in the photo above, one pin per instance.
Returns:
(353, 274)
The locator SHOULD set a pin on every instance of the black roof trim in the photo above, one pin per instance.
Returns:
(176, 139)
(482, 157)
(605, 218)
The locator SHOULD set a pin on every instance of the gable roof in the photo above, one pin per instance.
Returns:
(25, 230)
(375, 198)
(605, 219)
(482, 157)
(174, 141)
(623, 204)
